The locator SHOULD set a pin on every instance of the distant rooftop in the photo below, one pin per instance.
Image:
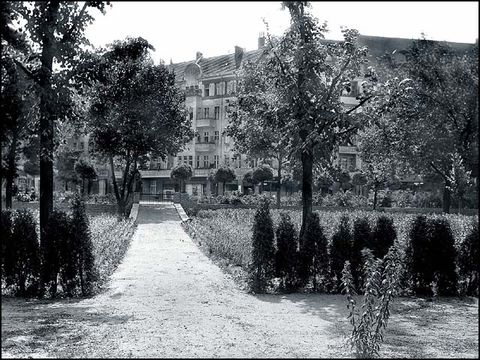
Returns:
(225, 64)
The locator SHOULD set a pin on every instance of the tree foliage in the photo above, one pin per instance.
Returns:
(136, 110)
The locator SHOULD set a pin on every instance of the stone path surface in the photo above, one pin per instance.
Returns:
(168, 299)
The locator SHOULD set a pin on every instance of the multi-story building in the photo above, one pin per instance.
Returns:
(209, 84)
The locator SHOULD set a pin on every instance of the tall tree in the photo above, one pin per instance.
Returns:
(426, 114)
(308, 76)
(249, 119)
(136, 110)
(56, 29)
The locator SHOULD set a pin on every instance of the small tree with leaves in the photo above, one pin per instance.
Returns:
(262, 173)
(286, 254)
(382, 278)
(262, 266)
(340, 250)
(86, 171)
(361, 237)
(383, 236)
(182, 173)
(224, 174)
(468, 260)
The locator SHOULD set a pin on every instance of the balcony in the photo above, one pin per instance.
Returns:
(205, 146)
(202, 172)
(347, 150)
(206, 122)
(164, 173)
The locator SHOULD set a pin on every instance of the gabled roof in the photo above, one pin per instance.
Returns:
(216, 65)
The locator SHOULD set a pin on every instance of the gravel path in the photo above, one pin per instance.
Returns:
(167, 299)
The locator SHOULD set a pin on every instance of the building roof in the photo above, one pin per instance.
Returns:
(225, 64)
(216, 65)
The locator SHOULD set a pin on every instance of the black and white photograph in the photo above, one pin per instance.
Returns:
(239, 179)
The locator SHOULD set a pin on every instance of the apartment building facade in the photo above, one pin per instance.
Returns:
(209, 83)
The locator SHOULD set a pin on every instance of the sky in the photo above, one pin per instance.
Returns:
(178, 30)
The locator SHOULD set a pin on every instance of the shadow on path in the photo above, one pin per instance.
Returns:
(157, 214)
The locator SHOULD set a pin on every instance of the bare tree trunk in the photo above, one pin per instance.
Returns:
(47, 117)
(279, 182)
(307, 180)
(375, 191)
(11, 170)
(447, 197)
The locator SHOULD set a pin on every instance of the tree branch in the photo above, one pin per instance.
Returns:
(363, 101)
(68, 34)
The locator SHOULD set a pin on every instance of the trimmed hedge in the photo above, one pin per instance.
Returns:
(340, 251)
(286, 254)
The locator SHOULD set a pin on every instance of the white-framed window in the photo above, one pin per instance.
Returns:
(205, 161)
(217, 112)
(206, 113)
(216, 160)
(217, 135)
(153, 187)
(205, 136)
(198, 162)
(212, 89)
(190, 160)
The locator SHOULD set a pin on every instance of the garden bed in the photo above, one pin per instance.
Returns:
(226, 234)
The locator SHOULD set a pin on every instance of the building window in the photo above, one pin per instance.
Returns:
(206, 113)
(190, 160)
(347, 162)
(82, 145)
(191, 113)
(217, 136)
(205, 136)
(212, 89)
(217, 112)
(205, 161)
(207, 91)
(198, 162)
(153, 187)
(179, 160)
(216, 160)
(227, 160)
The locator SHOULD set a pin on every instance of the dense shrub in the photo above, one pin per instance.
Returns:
(340, 250)
(6, 230)
(361, 237)
(313, 259)
(431, 256)
(285, 257)
(419, 260)
(56, 249)
(383, 236)
(21, 267)
(82, 247)
(468, 260)
(263, 251)
(444, 255)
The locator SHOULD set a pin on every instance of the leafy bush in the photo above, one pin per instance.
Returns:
(431, 257)
(57, 253)
(285, 257)
(263, 251)
(82, 247)
(418, 256)
(340, 250)
(383, 236)
(313, 253)
(361, 237)
(444, 255)
(468, 260)
(6, 226)
(21, 266)
(382, 279)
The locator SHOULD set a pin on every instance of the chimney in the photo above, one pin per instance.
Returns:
(238, 56)
(261, 40)
(198, 56)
